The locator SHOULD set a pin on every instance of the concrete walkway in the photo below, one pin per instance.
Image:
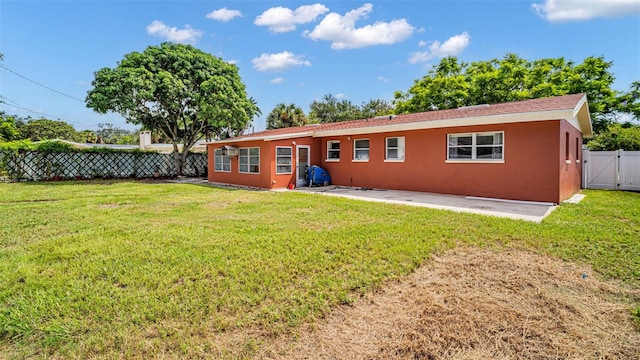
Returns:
(521, 210)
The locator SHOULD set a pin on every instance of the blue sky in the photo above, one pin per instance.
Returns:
(296, 51)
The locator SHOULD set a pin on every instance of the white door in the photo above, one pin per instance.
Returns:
(302, 163)
(601, 170)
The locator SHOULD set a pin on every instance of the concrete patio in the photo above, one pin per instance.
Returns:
(521, 210)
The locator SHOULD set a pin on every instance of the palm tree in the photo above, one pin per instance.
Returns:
(283, 116)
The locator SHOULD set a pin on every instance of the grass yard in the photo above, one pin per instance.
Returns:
(141, 270)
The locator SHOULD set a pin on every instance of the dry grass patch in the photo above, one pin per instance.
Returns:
(478, 304)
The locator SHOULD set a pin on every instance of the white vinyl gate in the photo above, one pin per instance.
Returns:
(619, 170)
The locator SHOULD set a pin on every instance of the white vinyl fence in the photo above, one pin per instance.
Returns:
(619, 170)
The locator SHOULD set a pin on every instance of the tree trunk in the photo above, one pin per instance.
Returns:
(183, 159)
(177, 159)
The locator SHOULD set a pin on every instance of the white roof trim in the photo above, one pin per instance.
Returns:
(287, 136)
(263, 138)
(581, 114)
(579, 105)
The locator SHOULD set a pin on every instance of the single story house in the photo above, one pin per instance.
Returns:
(526, 150)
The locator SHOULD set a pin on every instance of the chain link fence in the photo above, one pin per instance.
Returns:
(23, 165)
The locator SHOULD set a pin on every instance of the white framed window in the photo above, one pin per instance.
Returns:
(486, 146)
(249, 160)
(361, 150)
(283, 159)
(394, 148)
(221, 163)
(333, 150)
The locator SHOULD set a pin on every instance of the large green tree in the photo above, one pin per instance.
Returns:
(110, 134)
(46, 129)
(8, 127)
(283, 116)
(629, 103)
(376, 107)
(452, 84)
(177, 90)
(331, 109)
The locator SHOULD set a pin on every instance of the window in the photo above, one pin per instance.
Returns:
(476, 146)
(249, 160)
(394, 148)
(361, 150)
(333, 150)
(283, 159)
(221, 163)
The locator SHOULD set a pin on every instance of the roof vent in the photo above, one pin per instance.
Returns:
(471, 107)
(381, 117)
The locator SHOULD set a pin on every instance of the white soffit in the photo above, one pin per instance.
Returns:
(582, 116)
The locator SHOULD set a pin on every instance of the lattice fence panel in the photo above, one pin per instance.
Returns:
(38, 166)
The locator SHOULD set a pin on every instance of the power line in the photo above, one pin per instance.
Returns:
(18, 106)
(44, 86)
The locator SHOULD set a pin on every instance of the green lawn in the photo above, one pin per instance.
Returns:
(131, 269)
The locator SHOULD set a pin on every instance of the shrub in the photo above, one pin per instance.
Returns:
(617, 136)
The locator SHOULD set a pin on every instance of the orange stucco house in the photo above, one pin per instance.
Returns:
(526, 150)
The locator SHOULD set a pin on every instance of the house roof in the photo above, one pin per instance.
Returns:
(573, 108)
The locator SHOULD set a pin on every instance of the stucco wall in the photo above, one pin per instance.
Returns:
(535, 167)
(529, 172)
(267, 178)
(570, 163)
(234, 177)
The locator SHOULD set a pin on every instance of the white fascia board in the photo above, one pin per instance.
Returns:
(581, 103)
(434, 124)
(220, 141)
(287, 136)
(582, 116)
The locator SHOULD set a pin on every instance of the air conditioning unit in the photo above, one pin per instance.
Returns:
(229, 150)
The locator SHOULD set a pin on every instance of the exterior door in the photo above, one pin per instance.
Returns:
(302, 163)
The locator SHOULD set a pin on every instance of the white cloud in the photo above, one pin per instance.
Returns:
(233, 62)
(422, 43)
(575, 10)
(279, 62)
(277, 80)
(281, 19)
(340, 96)
(451, 47)
(383, 79)
(223, 14)
(188, 35)
(343, 34)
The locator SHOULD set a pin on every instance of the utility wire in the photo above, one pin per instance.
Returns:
(18, 106)
(44, 86)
